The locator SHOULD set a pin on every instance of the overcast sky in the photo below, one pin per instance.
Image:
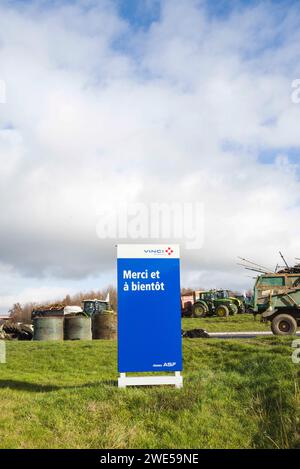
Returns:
(145, 101)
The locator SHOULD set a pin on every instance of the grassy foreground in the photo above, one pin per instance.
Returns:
(237, 394)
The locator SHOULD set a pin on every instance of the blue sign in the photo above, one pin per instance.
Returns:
(149, 313)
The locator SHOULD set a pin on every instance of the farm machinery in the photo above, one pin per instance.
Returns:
(216, 302)
(91, 307)
(276, 297)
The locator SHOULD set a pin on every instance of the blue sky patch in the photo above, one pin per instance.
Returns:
(269, 155)
(265, 155)
(139, 13)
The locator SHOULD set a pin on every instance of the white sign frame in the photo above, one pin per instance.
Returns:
(176, 380)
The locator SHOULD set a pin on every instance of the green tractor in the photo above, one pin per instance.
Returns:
(91, 307)
(214, 302)
(246, 302)
(236, 300)
(203, 305)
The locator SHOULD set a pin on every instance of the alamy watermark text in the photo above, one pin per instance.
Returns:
(176, 221)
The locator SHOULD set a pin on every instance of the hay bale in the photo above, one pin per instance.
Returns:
(104, 325)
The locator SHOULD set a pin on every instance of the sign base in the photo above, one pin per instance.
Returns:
(124, 381)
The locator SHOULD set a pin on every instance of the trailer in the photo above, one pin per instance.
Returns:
(277, 298)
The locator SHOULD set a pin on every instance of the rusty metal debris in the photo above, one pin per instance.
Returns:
(286, 269)
(291, 270)
(16, 331)
(56, 309)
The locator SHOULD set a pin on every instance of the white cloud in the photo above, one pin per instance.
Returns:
(87, 123)
(35, 295)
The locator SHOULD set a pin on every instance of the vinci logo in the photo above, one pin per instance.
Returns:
(167, 251)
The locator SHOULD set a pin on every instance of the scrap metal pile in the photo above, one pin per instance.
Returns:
(286, 269)
(290, 270)
(10, 330)
(56, 309)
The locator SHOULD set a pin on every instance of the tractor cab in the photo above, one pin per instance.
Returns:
(234, 303)
(91, 307)
(206, 296)
(222, 294)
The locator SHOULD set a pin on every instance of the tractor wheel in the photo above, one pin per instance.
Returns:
(284, 324)
(222, 311)
(242, 309)
(199, 311)
(233, 309)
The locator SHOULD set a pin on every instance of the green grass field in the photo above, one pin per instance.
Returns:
(240, 322)
(236, 394)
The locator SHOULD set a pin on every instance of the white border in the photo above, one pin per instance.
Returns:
(148, 251)
(125, 381)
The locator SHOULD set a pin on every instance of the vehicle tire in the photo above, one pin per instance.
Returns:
(199, 311)
(233, 310)
(222, 311)
(284, 324)
(242, 309)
